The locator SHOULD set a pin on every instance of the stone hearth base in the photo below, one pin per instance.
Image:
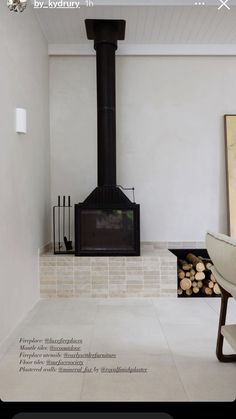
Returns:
(153, 274)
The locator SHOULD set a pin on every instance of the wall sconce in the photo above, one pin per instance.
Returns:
(21, 126)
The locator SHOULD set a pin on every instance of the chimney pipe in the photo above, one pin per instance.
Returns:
(105, 34)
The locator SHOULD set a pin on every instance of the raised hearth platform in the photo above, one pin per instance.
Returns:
(153, 274)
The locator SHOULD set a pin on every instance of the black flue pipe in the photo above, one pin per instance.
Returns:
(105, 34)
(106, 114)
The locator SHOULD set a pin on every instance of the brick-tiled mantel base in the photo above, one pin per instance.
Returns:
(153, 274)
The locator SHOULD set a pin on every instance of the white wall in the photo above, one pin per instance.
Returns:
(170, 137)
(24, 163)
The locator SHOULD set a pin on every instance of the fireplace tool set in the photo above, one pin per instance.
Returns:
(62, 241)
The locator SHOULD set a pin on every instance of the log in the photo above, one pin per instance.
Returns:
(194, 284)
(185, 284)
(192, 272)
(192, 278)
(207, 262)
(204, 259)
(212, 278)
(210, 284)
(185, 265)
(195, 290)
(199, 284)
(179, 291)
(187, 274)
(189, 292)
(196, 262)
(199, 276)
(207, 290)
(181, 274)
(216, 289)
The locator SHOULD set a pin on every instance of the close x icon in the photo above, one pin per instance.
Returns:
(223, 4)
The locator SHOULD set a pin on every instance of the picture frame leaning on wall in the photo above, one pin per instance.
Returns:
(230, 157)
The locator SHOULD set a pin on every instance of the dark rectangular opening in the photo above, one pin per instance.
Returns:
(107, 231)
(181, 255)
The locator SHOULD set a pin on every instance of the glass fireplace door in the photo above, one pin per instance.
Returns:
(107, 230)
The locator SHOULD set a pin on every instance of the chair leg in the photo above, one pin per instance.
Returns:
(220, 338)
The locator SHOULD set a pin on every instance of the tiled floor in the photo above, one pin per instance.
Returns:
(173, 338)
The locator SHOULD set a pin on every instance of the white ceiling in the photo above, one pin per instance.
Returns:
(146, 25)
(152, 24)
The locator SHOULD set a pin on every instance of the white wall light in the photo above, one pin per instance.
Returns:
(21, 126)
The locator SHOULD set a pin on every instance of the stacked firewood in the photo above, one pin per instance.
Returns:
(195, 277)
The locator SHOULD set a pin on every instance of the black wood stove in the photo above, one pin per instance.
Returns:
(107, 222)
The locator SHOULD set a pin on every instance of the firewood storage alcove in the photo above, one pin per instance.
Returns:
(194, 276)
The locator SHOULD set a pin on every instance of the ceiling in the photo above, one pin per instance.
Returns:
(155, 25)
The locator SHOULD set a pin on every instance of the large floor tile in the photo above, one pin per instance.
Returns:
(69, 312)
(183, 311)
(160, 383)
(197, 339)
(30, 386)
(128, 330)
(214, 303)
(203, 376)
(57, 331)
(205, 379)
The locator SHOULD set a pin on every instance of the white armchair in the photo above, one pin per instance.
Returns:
(222, 251)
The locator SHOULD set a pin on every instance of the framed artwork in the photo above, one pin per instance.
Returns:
(230, 149)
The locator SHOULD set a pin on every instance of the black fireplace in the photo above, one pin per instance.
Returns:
(107, 222)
